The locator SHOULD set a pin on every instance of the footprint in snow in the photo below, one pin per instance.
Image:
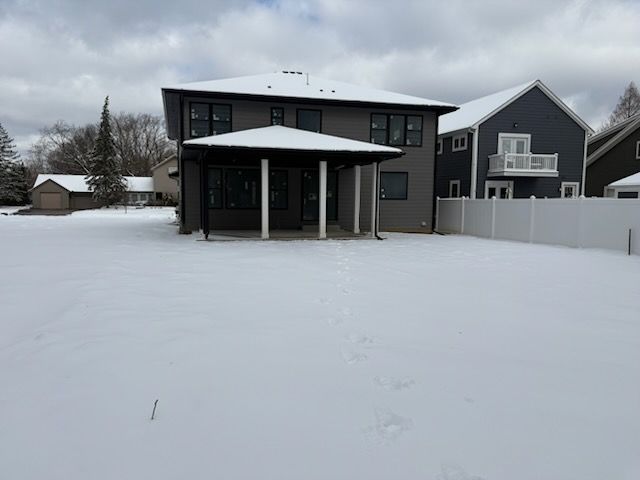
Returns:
(334, 322)
(324, 301)
(388, 426)
(455, 472)
(393, 384)
(359, 339)
(351, 357)
(346, 312)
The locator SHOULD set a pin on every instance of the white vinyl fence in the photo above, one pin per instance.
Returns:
(610, 223)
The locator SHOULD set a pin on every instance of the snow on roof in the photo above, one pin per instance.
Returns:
(472, 112)
(630, 181)
(299, 85)
(78, 183)
(477, 111)
(277, 137)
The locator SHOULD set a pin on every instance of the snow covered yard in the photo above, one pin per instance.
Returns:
(420, 357)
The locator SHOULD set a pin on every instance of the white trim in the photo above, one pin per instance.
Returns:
(615, 140)
(451, 184)
(614, 128)
(439, 143)
(638, 150)
(526, 136)
(474, 163)
(460, 139)
(322, 223)
(497, 184)
(264, 201)
(356, 206)
(584, 164)
(374, 197)
(576, 190)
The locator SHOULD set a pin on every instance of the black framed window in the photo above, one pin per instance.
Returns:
(398, 130)
(242, 188)
(393, 185)
(278, 190)
(209, 119)
(215, 187)
(310, 120)
(277, 116)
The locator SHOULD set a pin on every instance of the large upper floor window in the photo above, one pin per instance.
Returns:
(310, 120)
(399, 130)
(277, 116)
(209, 119)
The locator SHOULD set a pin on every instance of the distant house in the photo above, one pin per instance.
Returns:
(165, 179)
(71, 192)
(512, 144)
(613, 154)
(289, 151)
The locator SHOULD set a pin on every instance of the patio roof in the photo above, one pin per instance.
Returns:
(286, 139)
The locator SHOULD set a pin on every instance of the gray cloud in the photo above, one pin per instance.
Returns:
(60, 58)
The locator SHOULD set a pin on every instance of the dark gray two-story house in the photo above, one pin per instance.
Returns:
(613, 154)
(512, 144)
(269, 155)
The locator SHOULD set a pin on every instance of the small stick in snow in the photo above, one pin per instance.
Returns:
(153, 414)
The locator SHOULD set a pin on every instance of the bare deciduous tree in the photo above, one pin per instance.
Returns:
(628, 106)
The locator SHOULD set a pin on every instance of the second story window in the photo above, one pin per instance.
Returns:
(277, 116)
(310, 120)
(459, 143)
(397, 130)
(209, 119)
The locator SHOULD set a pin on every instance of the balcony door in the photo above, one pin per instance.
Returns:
(514, 143)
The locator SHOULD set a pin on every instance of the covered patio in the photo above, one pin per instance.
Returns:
(281, 150)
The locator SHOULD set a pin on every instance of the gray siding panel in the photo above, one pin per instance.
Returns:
(191, 194)
(617, 163)
(552, 131)
(453, 166)
(349, 122)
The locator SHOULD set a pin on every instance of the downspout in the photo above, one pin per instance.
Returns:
(435, 177)
(376, 222)
(474, 162)
(584, 165)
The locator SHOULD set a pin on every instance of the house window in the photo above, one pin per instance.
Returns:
(310, 120)
(393, 185)
(439, 147)
(277, 116)
(627, 194)
(454, 188)
(514, 143)
(209, 119)
(242, 188)
(569, 189)
(398, 130)
(215, 188)
(498, 189)
(638, 150)
(459, 143)
(278, 190)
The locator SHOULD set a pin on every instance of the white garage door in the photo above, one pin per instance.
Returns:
(51, 201)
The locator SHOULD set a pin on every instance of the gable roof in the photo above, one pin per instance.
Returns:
(630, 181)
(173, 156)
(632, 124)
(277, 137)
(78, 183)
(304, 86)
(613, 129)
(475, 112)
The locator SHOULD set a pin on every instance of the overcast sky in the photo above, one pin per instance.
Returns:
(59, 58)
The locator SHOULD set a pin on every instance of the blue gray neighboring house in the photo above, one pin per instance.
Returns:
(516, 143)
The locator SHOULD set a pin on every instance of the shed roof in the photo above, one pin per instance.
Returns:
(277, 137)
(78, 183)
(630, 181)
(475, 112)
(298, 85)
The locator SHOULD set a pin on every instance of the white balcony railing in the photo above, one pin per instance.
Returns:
(523, 164)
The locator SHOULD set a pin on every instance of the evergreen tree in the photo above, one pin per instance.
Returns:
(628, 106)
(13, 188)
(105, 179)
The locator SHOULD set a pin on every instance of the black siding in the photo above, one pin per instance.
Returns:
(453, 166)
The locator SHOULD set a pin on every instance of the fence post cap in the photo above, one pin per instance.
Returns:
(581, 197)
(532, 197)
(493, 198)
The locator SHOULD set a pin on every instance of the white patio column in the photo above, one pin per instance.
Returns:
(322, 223)
(264, 201)
(374, 198)
(356, 196)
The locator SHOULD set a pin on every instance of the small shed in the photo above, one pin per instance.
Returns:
(71, 192)
(628, 187)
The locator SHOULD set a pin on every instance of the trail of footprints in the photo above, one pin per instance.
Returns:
(388, 425)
